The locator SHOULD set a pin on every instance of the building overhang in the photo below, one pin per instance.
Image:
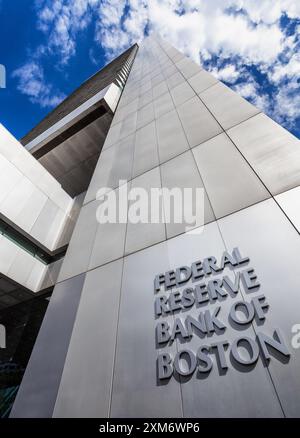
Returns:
(68, 141)
(104, 102)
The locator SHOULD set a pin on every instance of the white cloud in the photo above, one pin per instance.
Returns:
(205, 26)
(290, 70)
(270, 11)
(244, 32)
(287, 107)
(283, 105)
(32, 84)
(252, 91)
(229, 73)
(246, 89)
(61, 20)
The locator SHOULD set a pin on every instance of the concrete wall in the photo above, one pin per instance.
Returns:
(30, 197)
(34, 203)
(175, 125)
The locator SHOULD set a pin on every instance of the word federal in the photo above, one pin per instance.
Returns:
(198, 270)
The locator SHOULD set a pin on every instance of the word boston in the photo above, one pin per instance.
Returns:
(211, 322)
(186, 361)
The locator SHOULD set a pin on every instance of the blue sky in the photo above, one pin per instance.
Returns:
(50, 47)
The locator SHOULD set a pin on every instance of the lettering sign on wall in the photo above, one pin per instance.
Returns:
(199, 287)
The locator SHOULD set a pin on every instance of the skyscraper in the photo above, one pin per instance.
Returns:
(152, 318)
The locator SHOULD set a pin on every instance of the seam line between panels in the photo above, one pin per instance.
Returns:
(225, 131)
(216, 220)
(71, 335)
(204, 89)
(286, 215)
(93, 243)
(160, 163)
(118, 319)
(251, 167)
(160, 177)
(162, 115)
(165, 240)
(151, 168)
(168, 238)
(175, 108)
(190, 149)
(254, 329)
(116, 342)
(184, 133)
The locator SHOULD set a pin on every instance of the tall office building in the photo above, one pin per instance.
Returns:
(151, 318)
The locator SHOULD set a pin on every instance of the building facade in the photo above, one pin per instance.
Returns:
(155, 318)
